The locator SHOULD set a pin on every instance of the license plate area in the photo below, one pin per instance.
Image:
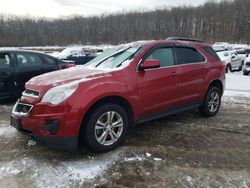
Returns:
(15, 122)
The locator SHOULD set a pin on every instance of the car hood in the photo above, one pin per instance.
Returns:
(60, 77)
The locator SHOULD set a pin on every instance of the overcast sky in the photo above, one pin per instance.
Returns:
(58, 8)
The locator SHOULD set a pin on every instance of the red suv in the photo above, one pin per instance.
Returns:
(96, 103)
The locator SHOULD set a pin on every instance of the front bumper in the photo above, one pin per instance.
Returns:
(55, 126)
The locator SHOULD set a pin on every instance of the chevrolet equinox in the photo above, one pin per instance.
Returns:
(96, 103)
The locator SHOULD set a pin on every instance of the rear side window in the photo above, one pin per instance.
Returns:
(187, 55)
(28, 59)
(164, 55)
(210, 50)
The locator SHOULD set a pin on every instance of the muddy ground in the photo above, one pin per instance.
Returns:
(182, 150)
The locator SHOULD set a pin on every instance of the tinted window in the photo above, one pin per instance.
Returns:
(164, 55)
(188, 55)
(50, 60)
(210, 50)
(4, 61)
(28, 59)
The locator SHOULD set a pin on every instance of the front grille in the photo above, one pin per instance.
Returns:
(31, 93)
(21, 109)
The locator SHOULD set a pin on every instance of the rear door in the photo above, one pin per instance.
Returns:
(7, 85)
(193, 67)
(29, 65)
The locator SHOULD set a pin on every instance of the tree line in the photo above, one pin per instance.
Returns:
(227, 20)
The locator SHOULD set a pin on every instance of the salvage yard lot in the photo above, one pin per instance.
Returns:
(182, 150)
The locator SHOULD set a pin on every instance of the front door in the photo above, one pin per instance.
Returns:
(158, 88)
(28, 65)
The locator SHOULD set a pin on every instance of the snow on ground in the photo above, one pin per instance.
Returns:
(22, 160)
(237, 85)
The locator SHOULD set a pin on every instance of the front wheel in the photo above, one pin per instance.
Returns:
(106, 127)
(211, 103)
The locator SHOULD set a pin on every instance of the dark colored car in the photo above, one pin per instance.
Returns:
(75, 55)
(95, 104)
(17, 67)
(79, 60)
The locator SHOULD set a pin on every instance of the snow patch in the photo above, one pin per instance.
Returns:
(157, 159)
(31, 143)
(7, 131)
(136, 158)
(85, 170)
(237, 85)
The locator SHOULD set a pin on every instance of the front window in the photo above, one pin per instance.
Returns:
(164, 55)
(115, 58)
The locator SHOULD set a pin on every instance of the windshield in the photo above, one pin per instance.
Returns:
(115, 57)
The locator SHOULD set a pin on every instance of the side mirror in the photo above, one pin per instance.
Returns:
(150, 64)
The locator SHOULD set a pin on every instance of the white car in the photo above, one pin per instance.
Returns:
(246, 70)
(221, 46)
(232, 60)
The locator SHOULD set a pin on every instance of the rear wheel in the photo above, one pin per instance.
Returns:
(211, 103)
(106, 127)
(245, 73)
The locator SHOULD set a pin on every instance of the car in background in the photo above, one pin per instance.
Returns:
(95, 104)
(246, 70)
(232, 60)
(75, 55)
(222, 46)
(18, 66)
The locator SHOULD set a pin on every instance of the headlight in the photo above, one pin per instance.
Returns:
(60, 93)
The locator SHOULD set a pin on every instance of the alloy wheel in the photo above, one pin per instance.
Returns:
(214, 102)
(108, 128)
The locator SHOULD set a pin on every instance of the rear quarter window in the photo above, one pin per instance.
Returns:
(210, 50)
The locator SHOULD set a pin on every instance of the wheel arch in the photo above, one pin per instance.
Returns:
(216, 83)
(110, 99)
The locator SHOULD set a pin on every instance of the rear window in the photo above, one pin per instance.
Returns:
(210, 50)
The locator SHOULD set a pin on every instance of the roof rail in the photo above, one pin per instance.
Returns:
(184, 39)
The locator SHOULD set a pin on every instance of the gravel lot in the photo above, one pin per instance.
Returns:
(182, 150)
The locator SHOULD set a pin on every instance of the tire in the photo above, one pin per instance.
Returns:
(211, 103)
(245, 73)
(106, 127)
